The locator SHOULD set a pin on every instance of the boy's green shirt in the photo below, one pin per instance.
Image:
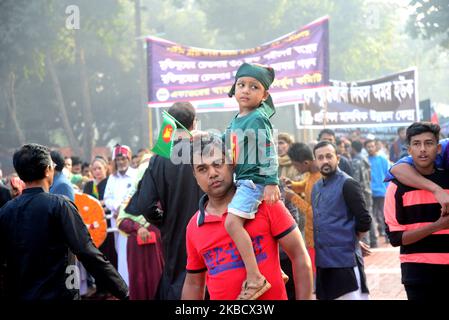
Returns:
(258, 160)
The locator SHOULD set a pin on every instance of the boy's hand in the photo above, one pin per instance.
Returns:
(289, 193)
(198, 134)
(286, 181)
(271, 194)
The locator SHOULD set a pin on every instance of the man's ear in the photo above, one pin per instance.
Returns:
(47, 171)
(439, 148)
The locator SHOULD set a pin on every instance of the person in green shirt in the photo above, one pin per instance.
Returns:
(250, 136)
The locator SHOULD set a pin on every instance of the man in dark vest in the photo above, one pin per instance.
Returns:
(340, 219)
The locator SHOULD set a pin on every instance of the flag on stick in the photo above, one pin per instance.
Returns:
(164, 144)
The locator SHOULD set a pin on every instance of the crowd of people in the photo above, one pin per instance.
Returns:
(291, 220)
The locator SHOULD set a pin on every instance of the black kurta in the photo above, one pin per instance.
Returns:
(37, 229)
(176, 189)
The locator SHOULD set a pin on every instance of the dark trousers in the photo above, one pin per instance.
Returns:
(370, 238)
(378, 214)
(171, 290)
(426, 292)
(286, 266)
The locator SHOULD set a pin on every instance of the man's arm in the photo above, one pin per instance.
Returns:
(297, 201)
(109, 200)
(294, 247)
(352, 193)
(408, 175)
(194, 286)
(412, 236)
(298, 186)
(65, 190)
(80, 243)
(147, 196)
(345, 166)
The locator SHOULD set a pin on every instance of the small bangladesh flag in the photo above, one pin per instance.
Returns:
(164, 144)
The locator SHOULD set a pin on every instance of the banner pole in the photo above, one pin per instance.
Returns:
(150, 126)
(325, 108)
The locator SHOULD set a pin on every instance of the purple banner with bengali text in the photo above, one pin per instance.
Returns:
(204, 77)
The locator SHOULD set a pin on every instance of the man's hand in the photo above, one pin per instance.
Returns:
(443, 222)
(443, 199)
(286, 181)
(198, 134)
(365, 249)
(271, 193)
(289, 194)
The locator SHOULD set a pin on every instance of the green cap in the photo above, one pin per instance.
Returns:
(264, 74)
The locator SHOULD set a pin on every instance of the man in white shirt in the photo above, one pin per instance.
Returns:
(117, 189)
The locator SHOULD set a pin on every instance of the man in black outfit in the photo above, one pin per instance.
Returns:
(170, 183)
(38, 233)
(5, 195)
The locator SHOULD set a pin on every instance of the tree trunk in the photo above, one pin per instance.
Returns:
(88, 132)
(10, 97)
(61, 106)
(145, 139)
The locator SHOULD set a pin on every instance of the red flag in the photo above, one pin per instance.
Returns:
(434, 118)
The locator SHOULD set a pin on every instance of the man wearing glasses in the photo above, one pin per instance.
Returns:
(40, 231)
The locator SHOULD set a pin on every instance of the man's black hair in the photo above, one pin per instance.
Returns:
(76, 161)
(368, 141)
(422, 127)
(357, 146)
(58, 159)
(30, 161)
(184, 112)
(401, 129)
(322, 144)
(338, 141)
(204, 146)
(326, 131)
(300, 152)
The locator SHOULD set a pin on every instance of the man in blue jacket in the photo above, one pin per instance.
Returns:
(61, 185)
(340, 219)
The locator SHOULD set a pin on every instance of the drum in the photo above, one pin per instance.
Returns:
(93, 217)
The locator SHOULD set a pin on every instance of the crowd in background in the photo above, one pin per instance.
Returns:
(112, 181)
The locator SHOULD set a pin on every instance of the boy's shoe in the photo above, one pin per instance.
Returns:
(251, 291)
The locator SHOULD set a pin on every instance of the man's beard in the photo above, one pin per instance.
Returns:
(122, 170)
(329, 172)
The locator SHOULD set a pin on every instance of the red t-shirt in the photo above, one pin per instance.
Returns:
(209, 247)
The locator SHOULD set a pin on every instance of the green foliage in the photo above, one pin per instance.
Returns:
(430, 20)
(367, 40)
